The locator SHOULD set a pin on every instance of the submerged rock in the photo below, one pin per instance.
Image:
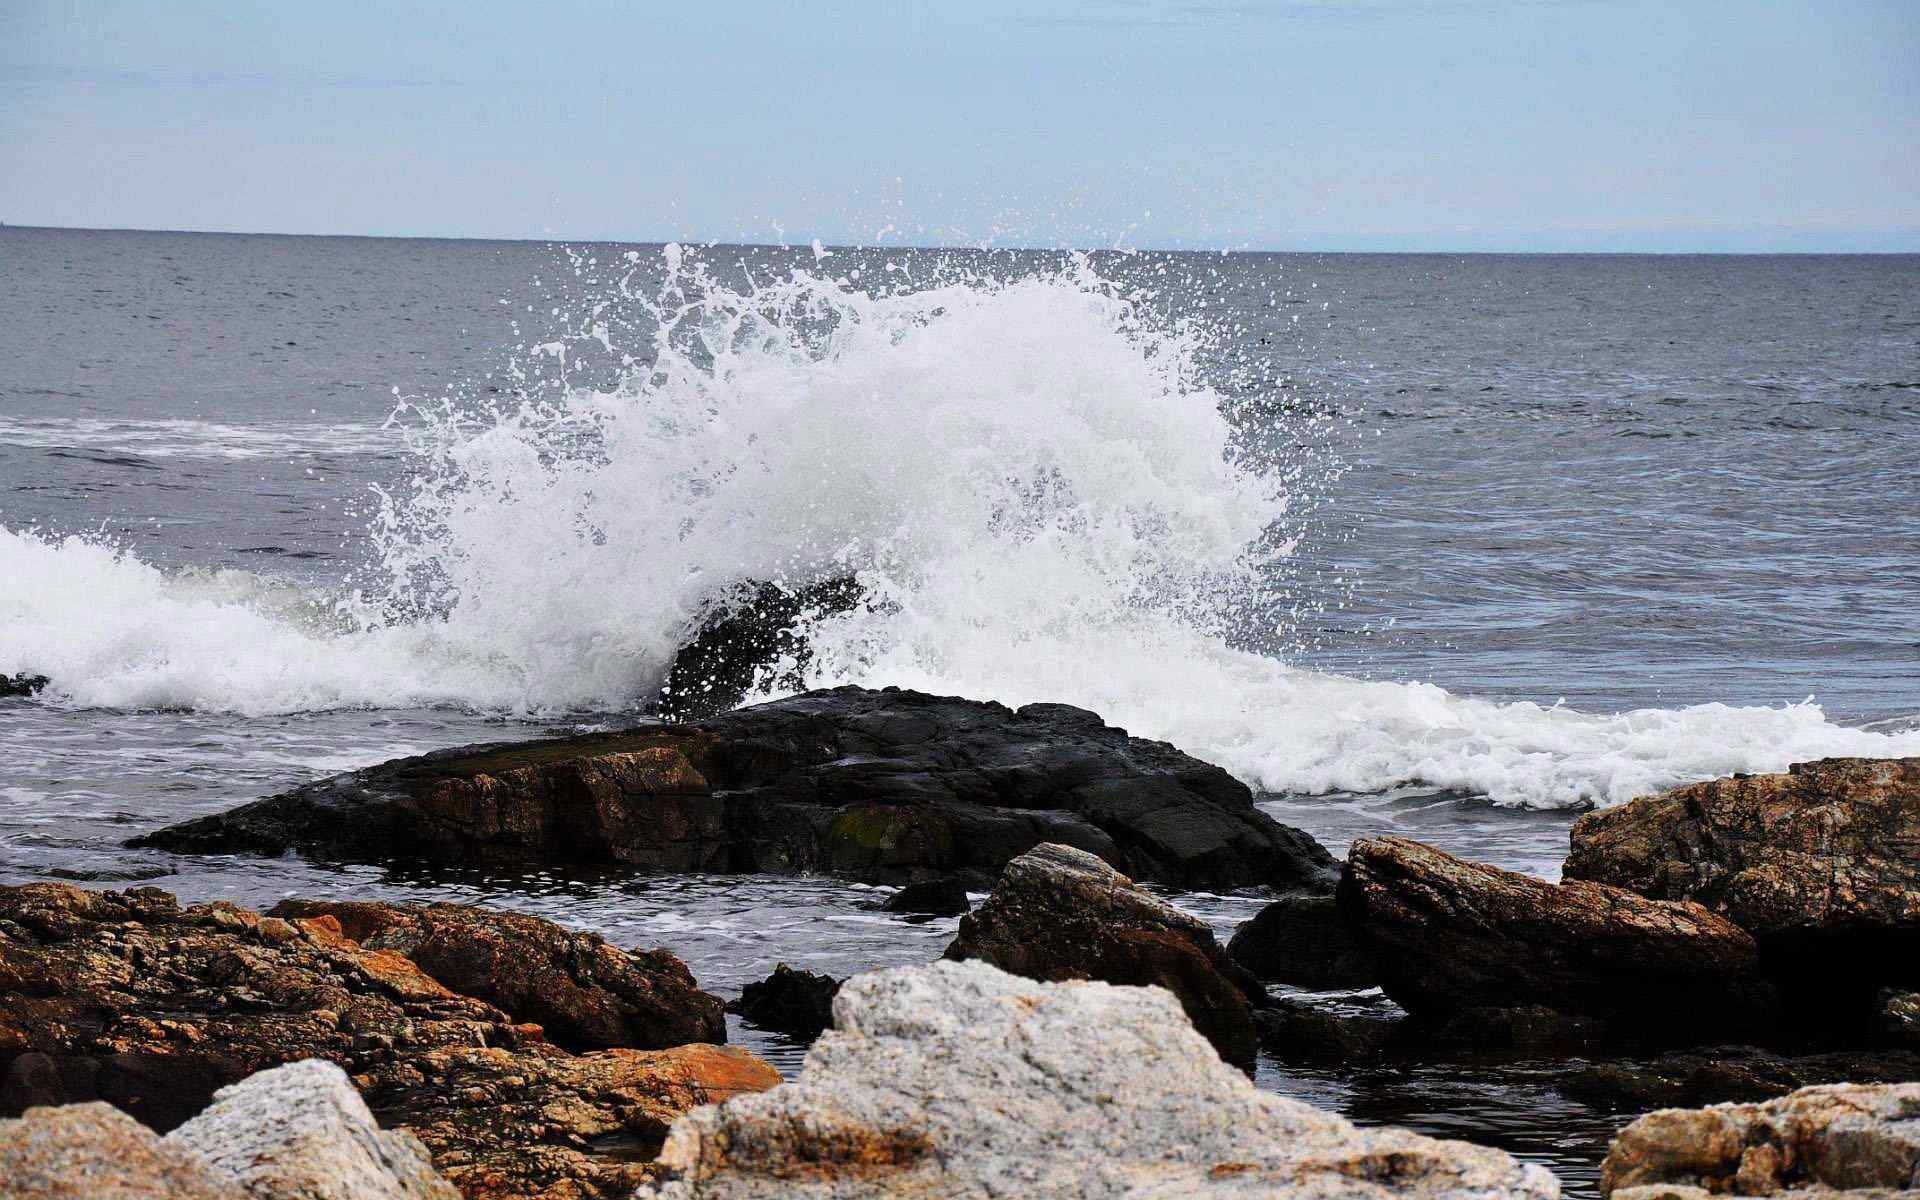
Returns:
(1716, 1074)
(1060, 913)
(1821, 864)
(1293, 1031)
(789, 1001)
(886, 786)
(744, 635)
(958, 1080)
(23, 684)
(1448, 935)
(944, 897)
(96, 1152)
(1302, 940)
(129, 998)
(1828, 1141)
(301, 1132)
(583, 992)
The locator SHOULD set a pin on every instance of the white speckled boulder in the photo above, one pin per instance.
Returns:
(96, 1152)
(959, 1080)
(301, 1132)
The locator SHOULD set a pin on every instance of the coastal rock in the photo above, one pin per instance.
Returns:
(96, 1152)
(1293, 1031)
(22, 684)
(885, 786)
(1821, 864)
(301, 1132)
(584, 993)
(128, 997)
(945, 897)
(958, 1080)
(1447, 935)
(1900, 1017)
(789, 1001)
(1302, 940)
(1843, 1140)
(1060, 913)
(1717, 1074)
(741, 636)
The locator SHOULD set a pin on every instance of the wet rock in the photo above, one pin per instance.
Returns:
(128, 997)
(1848, 1138)
(1448, 935)
(742, 636)
(1722, 1073)
(1821, 864)
(960, 1080)
(22, 684)
(885, 786)
(1900, 1017)
(1302, 940)
(1533, 1028)
(1294, 1031)
(1060, 913)
(514, 1126)
(946, 897)
(584, 993)
(97, 1152)
(136, 873)
(301, 1132)
(789, 1001)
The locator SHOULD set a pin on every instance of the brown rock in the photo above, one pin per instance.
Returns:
(97, 1152)
(1845, 1139)
(1448, 935)
(1717, 1074)
(129, 998)
(585, 993)
(1060, 914)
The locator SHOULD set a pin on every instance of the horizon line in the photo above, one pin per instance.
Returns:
(1024, 248)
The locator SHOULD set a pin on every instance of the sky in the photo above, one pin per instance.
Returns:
(1677, 125)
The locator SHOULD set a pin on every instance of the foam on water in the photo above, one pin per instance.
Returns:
(1033, 486)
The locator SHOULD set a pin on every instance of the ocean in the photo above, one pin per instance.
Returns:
(1453, 546)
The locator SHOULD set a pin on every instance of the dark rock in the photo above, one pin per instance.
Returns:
(1533, 1028)
(1448, 935)
(586, 994)
(741, 636)
(1821, 864)
(1302, 940)
(22, 685)
(129, 998)
(886, 786)
(1294, 1031)
(946, 897)
(1060, 913)
(1719, 1074)
(789, 1001)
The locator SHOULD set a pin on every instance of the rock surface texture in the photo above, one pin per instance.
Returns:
(958, 1080)
(1821, 864)
(1718, 1074)
(1845, 1140)
(1448, 935)
(584, 993)
(96, 1152)
(886, 786)
(301, 1132)
(128, 997)
(1060, 913)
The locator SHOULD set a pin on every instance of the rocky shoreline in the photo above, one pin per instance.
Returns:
(1735, 940)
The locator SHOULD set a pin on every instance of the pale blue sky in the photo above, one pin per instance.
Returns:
(1399, 124)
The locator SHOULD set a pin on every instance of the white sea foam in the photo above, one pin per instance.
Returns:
(1040, 499)
(181, 438)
